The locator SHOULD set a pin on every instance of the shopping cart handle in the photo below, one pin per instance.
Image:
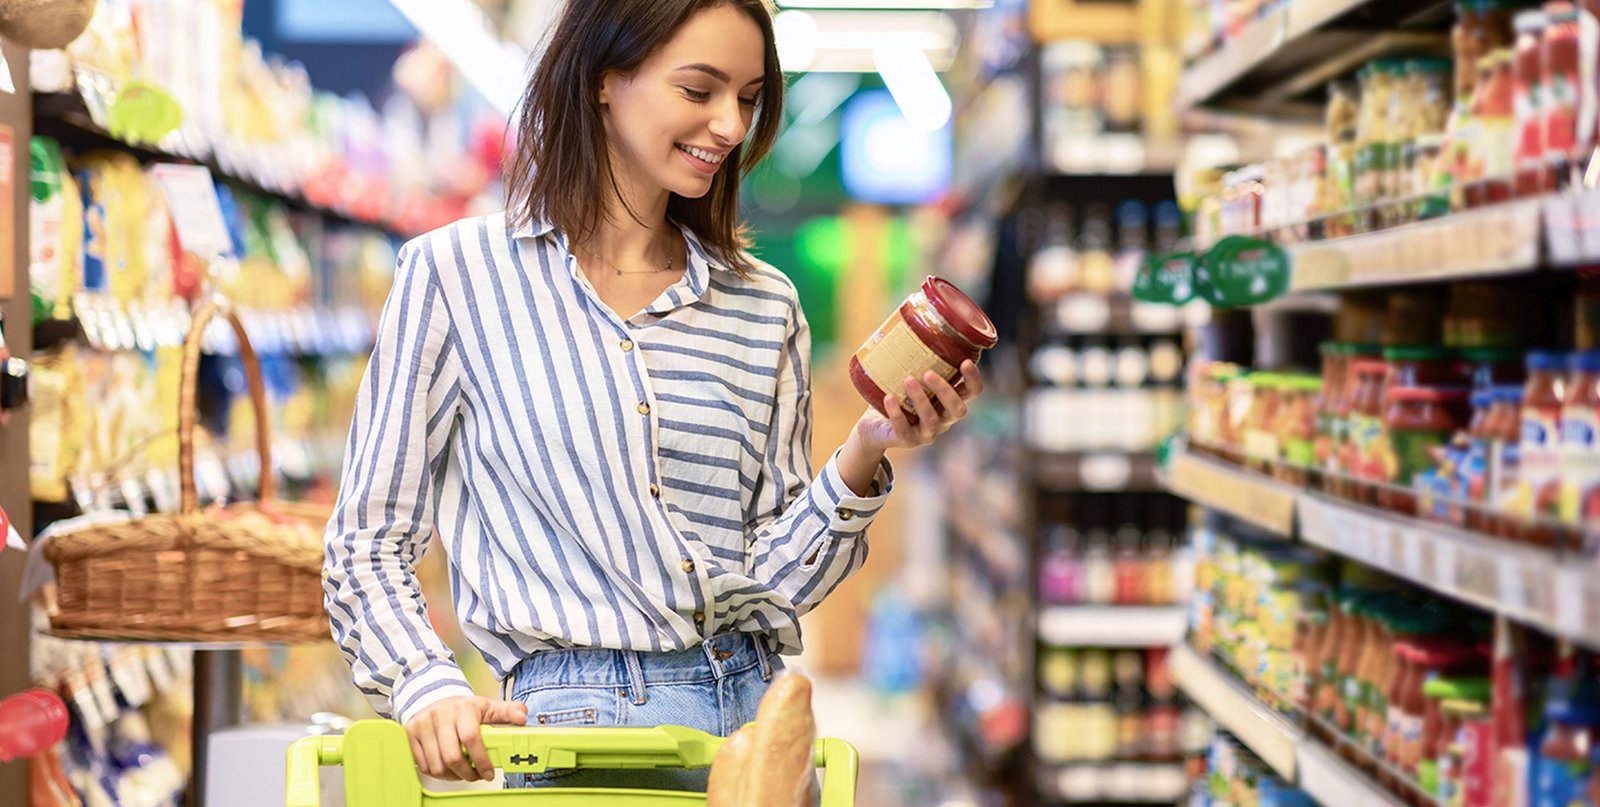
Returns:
(377, 760)
(306, 758)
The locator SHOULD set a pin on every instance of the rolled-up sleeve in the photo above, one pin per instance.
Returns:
(405, 412)
(808, 533)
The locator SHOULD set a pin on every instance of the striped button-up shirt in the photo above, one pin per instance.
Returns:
(595, 481)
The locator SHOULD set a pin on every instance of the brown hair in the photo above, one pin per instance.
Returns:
(561, 164)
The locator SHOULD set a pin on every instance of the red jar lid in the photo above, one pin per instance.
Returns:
(1428, 394)
(1370, 367)
(960, 311)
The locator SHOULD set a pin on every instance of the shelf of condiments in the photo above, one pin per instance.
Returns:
(1121, 549)
(1439, 704)
(1104, 394)
(1107, 109)
(1229, 774)
(179, 78)
(1510, 116)
(1097, 251)
(1102, 705)
(1497, 439)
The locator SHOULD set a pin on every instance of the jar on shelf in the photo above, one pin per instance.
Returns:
(1419, 423)
(1529, 100)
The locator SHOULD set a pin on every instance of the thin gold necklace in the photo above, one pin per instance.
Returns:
(620, 273)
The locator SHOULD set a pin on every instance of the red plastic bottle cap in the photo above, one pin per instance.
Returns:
(960, 311)
(31, 722)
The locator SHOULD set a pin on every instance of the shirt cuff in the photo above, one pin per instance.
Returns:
(852, 514)
(436, 681)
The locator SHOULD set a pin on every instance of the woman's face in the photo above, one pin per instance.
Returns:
(671, 124)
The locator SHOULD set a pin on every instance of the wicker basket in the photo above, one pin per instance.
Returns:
(246, 572)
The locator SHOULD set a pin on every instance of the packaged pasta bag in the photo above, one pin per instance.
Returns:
(58, 424)
(55, 221)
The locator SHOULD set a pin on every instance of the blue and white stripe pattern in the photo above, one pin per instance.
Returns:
(636, 484)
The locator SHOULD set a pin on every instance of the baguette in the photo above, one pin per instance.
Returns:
(728, 770)
(781, 769)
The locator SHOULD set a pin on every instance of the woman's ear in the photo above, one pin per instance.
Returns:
(607, 83)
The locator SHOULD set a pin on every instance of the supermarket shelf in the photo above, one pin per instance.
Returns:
(1094, 471)
(1112, 626)
(64, 117)
(1128, 782)
(1294, 49)
(1280, 743)
(1552, 592)
(1498, 240)
(1249, 496)
(1231, 703)
(1086, 313)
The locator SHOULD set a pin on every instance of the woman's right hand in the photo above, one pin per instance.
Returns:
(445, 739)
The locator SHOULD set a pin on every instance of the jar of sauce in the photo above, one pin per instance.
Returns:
(1481, 26)
(1580, 444)
(1346, 459)
(1366, 429)
(936, 328)
(1526, 73)
(1422, 366)
(1544, 394)
(1419, 423)
(1561, 81)
(1335, 358)
(1325, 700)
(1352, 653)
(1487, 367)
(1261, 447)
(1297, 428)
(1492, 108)
(1503, 431)
(1439, 727)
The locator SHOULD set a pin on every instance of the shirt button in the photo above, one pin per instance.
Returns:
(688, 566)
(699, 617)
(655, 491)
(626, 345)
(644, 408)
(845, 514)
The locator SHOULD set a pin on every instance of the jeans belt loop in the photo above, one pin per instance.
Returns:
(762, 655)
(636, 686)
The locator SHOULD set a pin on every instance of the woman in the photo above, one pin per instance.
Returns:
(601, 406)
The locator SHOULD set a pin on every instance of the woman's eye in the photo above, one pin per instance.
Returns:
(697, 96)
(750, 102)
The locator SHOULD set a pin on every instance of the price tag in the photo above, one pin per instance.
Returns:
(192, 198)
(1569, 602)
(1513, 594)
(1410, 555)
(1444, 564)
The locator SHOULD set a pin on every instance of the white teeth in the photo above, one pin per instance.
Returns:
(704, 155)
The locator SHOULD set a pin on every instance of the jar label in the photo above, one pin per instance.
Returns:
(1541, 461)
(894, 353)
(1580, 464)
(1411, 452)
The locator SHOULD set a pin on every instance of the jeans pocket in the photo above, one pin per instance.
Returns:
(552, 706)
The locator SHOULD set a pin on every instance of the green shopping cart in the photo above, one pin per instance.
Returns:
(379, 770)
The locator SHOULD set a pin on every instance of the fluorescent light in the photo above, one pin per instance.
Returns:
(887, 4)
(796, 32)
(843, 41)
(463, 34)
(916, 88)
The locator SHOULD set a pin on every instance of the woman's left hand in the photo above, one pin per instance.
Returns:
(875, 431)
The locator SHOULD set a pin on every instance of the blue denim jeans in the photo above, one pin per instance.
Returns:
(714, 687)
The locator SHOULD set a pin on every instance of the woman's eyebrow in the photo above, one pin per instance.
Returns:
(718, 74)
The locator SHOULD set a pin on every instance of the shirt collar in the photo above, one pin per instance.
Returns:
(698, 252)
